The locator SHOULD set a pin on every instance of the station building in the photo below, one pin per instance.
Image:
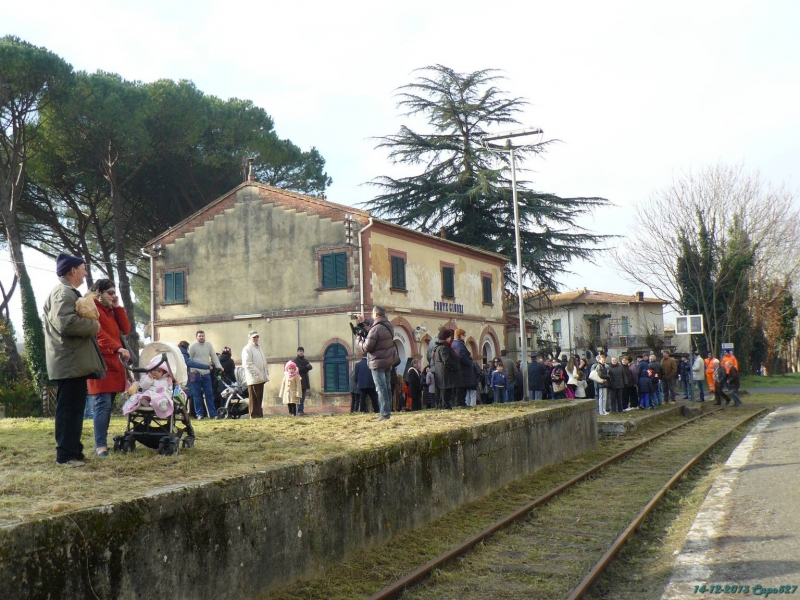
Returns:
(299, 269)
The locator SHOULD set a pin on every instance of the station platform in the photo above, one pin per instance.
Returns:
(625, 422)
(745, 540)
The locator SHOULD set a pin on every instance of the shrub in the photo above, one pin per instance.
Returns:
(20, 399)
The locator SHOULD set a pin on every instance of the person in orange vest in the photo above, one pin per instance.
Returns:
(709, 362)
(728, 361)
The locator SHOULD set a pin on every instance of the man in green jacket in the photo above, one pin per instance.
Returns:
(72, 355)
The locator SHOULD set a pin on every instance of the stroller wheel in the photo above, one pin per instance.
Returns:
(222, 413)
(118, 443)
(188, 442)
(128, 445)
(163, 444)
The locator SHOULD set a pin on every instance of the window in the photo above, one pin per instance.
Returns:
(398, 273)
(448, 281)
(487, 288)
(174, 288)
(336, 369)
(334, 270)
(624, 326)
(556, 328)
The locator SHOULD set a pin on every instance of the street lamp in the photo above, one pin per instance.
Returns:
(510, 149)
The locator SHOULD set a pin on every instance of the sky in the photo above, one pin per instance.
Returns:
(637, 93)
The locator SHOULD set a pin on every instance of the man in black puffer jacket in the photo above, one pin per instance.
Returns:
(381, 356)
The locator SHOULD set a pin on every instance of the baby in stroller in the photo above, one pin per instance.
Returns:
(155, 390)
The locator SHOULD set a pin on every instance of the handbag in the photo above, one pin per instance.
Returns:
(570, 394)
(595, 376)
(559, 386)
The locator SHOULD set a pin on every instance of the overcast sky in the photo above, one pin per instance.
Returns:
(637, 92)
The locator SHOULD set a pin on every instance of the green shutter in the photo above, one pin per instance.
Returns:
(328, 273)
(173, 287)
(398, 273)
(169, 288)
(330, 377)
(179, 295)
(341, 269)
(487, 290)
(448, 285)
(342, 378)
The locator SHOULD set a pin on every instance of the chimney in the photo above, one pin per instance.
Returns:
(443, 233)
(640, 296)
(251, 174)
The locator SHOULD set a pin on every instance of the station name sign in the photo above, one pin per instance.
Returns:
(448, 307)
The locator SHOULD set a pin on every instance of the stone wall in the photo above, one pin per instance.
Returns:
(238, 537)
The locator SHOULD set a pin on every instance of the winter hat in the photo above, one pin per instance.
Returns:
(65, 262)
(290, 366)
(158, 362)
(226, 350)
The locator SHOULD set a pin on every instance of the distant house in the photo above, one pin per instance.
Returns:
(585, 322)
(299, 269)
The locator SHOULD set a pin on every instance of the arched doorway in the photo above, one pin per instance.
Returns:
(336, 369)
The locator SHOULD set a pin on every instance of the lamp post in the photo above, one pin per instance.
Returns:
(509, 147)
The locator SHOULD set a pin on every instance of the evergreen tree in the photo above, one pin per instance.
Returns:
(465, 188)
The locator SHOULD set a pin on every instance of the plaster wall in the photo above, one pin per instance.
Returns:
(254, 257)
(424, 278)
(239, 537)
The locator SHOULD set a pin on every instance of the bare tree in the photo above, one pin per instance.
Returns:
(729, 214)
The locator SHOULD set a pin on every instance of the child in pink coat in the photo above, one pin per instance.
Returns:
(291, 387)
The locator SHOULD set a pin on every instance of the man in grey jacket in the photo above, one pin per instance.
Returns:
(200, 379)
(72, 356)
(381, 356)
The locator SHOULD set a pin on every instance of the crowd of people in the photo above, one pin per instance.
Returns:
(85, 352)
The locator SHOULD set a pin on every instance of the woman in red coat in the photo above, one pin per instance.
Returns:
(113, 324)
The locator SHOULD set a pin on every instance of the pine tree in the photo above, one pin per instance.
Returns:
(465, 187)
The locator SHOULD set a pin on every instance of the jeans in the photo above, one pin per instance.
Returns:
(202, 383)
(644, 399)
(536, 394)
(509, 397)
(602, 400)
(301, 408)
(88, 412)
(699, 383)
(658, 394)
(382, 379)
(734, 392)
(472, 396)
(102, 417)
(499, 395)
(687, 387)
(70, 404)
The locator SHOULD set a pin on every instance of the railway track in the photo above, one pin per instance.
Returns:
(557, 545)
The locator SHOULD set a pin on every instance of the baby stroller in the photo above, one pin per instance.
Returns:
(234, 396)
(144, 425)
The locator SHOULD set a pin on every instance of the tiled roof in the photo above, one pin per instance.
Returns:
(584, 296)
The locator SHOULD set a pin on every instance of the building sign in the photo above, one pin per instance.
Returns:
(448, 307)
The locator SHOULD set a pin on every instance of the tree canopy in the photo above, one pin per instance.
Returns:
(464, 187)
(96, 165)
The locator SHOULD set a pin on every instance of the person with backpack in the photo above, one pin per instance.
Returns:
(558, 381)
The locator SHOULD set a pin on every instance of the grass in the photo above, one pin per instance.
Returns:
(755, 381)
(31, 486)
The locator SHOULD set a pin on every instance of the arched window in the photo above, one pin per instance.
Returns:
(336, 369)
